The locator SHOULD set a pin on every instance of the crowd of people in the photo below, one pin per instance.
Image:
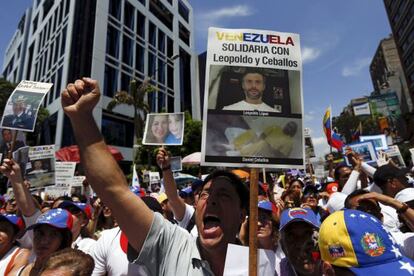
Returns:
(357, 221)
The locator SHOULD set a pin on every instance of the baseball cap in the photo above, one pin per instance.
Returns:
(265, 205)
(359, 241)
(13, 219)
(332, 188)
(187, 191)
(196, 185)
(405, 195)
(58, 218)
(162, 197)
(83, 207)
(298, 214)
(388, 171)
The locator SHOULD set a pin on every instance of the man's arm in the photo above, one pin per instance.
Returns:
(24, 199)
(407, 215)
(176, 203)
(102, 171)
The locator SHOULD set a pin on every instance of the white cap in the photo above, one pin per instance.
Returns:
(336, 202)
(405, 195)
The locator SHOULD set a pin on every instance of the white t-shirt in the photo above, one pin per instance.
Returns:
(243, 105)
(110, 258)
(189, 211)
(83, 244)
(4, 262)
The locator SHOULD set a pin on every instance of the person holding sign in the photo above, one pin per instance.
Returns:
(253, 84)
(220, 208)
(19, 119)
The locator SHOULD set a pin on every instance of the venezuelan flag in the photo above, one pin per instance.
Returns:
(333, 138)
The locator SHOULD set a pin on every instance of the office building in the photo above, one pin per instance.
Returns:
(400, 15)
(112, 41)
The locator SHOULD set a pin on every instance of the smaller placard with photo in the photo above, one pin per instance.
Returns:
(23, 104)
(365, 150)
(164, 129)
(176, 165)
(40, 169)
(394, 153)
(380, 141)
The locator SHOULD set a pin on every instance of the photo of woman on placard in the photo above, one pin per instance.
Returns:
(157, 129)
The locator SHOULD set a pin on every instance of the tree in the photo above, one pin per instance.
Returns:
(136, 99)
(347, 123)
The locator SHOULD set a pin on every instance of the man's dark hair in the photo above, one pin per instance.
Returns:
(253, 71)
(355, 193)
(338, 169)
(237, 183)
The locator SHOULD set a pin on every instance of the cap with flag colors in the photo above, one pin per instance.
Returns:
(333, 138)
(358, 241)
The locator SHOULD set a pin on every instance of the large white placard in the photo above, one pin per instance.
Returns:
(253, 103)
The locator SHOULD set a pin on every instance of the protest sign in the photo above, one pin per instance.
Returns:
(76, 187)
(380, 141)
(41, 169)
(7, 141)
(164, 129)
(175, 162)
(64, 172)
(253, 103)
(237, 261)
(366, 150)
(21, 157)
(54, 192)
(23, 104)
(393, 152)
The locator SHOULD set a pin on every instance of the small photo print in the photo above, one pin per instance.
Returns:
(164, 129)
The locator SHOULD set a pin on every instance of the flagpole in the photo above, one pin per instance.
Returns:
(330, 123)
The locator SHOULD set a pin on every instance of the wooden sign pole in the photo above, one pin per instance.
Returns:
(253, 217)
(10, 152)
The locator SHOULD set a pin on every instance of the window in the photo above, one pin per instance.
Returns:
(129, 13)
(125, 80)
(63, 45)
(161, 71)
(34, 23)
(140, 24)
(115, 8)
(170, 103)
(127, 48)
(183, 10)
(61, 7)
(117, 132)
(170, 47)
(53, 91)
(47, 5)
(185, 80)
(58, 82)
(170, 77)
(162, 13)
(151, 64)
(152, 32)
(161, 100)
(112, 41)
(139, 58)
(184, 34)
(56, 54)
(161, 41)
(111, 81)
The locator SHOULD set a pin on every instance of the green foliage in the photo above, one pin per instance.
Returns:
(346, 124)
(6, 88)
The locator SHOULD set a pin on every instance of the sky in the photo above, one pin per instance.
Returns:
(338, 39)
